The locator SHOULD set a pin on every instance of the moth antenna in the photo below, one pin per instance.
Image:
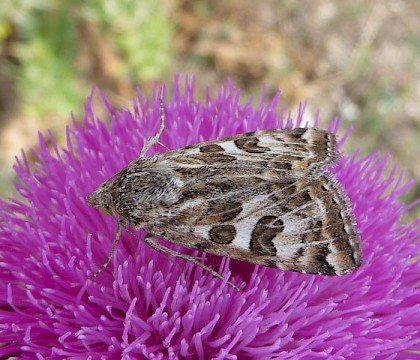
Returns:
(159, 247)
(155, 139)
(111, 254)
(163, 145)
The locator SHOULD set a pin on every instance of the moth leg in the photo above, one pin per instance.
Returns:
(157, 246)
(155, 139)
(111, 254)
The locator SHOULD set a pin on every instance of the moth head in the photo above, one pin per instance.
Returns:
(101, 199)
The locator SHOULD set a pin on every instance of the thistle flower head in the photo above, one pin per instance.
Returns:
(147, 306)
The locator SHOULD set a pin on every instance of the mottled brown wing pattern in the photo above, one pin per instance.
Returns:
(295, 152)
(302, 226)
(262, 197)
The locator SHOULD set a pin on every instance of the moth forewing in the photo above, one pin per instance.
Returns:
(262, 197)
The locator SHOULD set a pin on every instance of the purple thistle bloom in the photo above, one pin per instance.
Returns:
(141, 306)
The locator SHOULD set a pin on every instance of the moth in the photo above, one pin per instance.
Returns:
(262, 197)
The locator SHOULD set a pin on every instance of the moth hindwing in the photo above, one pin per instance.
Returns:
(262, 197)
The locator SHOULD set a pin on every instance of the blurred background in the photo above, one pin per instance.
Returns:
(353, 58)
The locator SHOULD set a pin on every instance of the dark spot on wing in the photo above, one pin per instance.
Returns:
(214, 212)
(222, 234)
(211, 148)
(299, 199)
(264, 232)
(298, 134)
(319, 260)
(250, 145)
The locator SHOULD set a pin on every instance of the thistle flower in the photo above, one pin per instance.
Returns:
(145, 305)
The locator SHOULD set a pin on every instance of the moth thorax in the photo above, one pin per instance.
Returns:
(159, 187)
